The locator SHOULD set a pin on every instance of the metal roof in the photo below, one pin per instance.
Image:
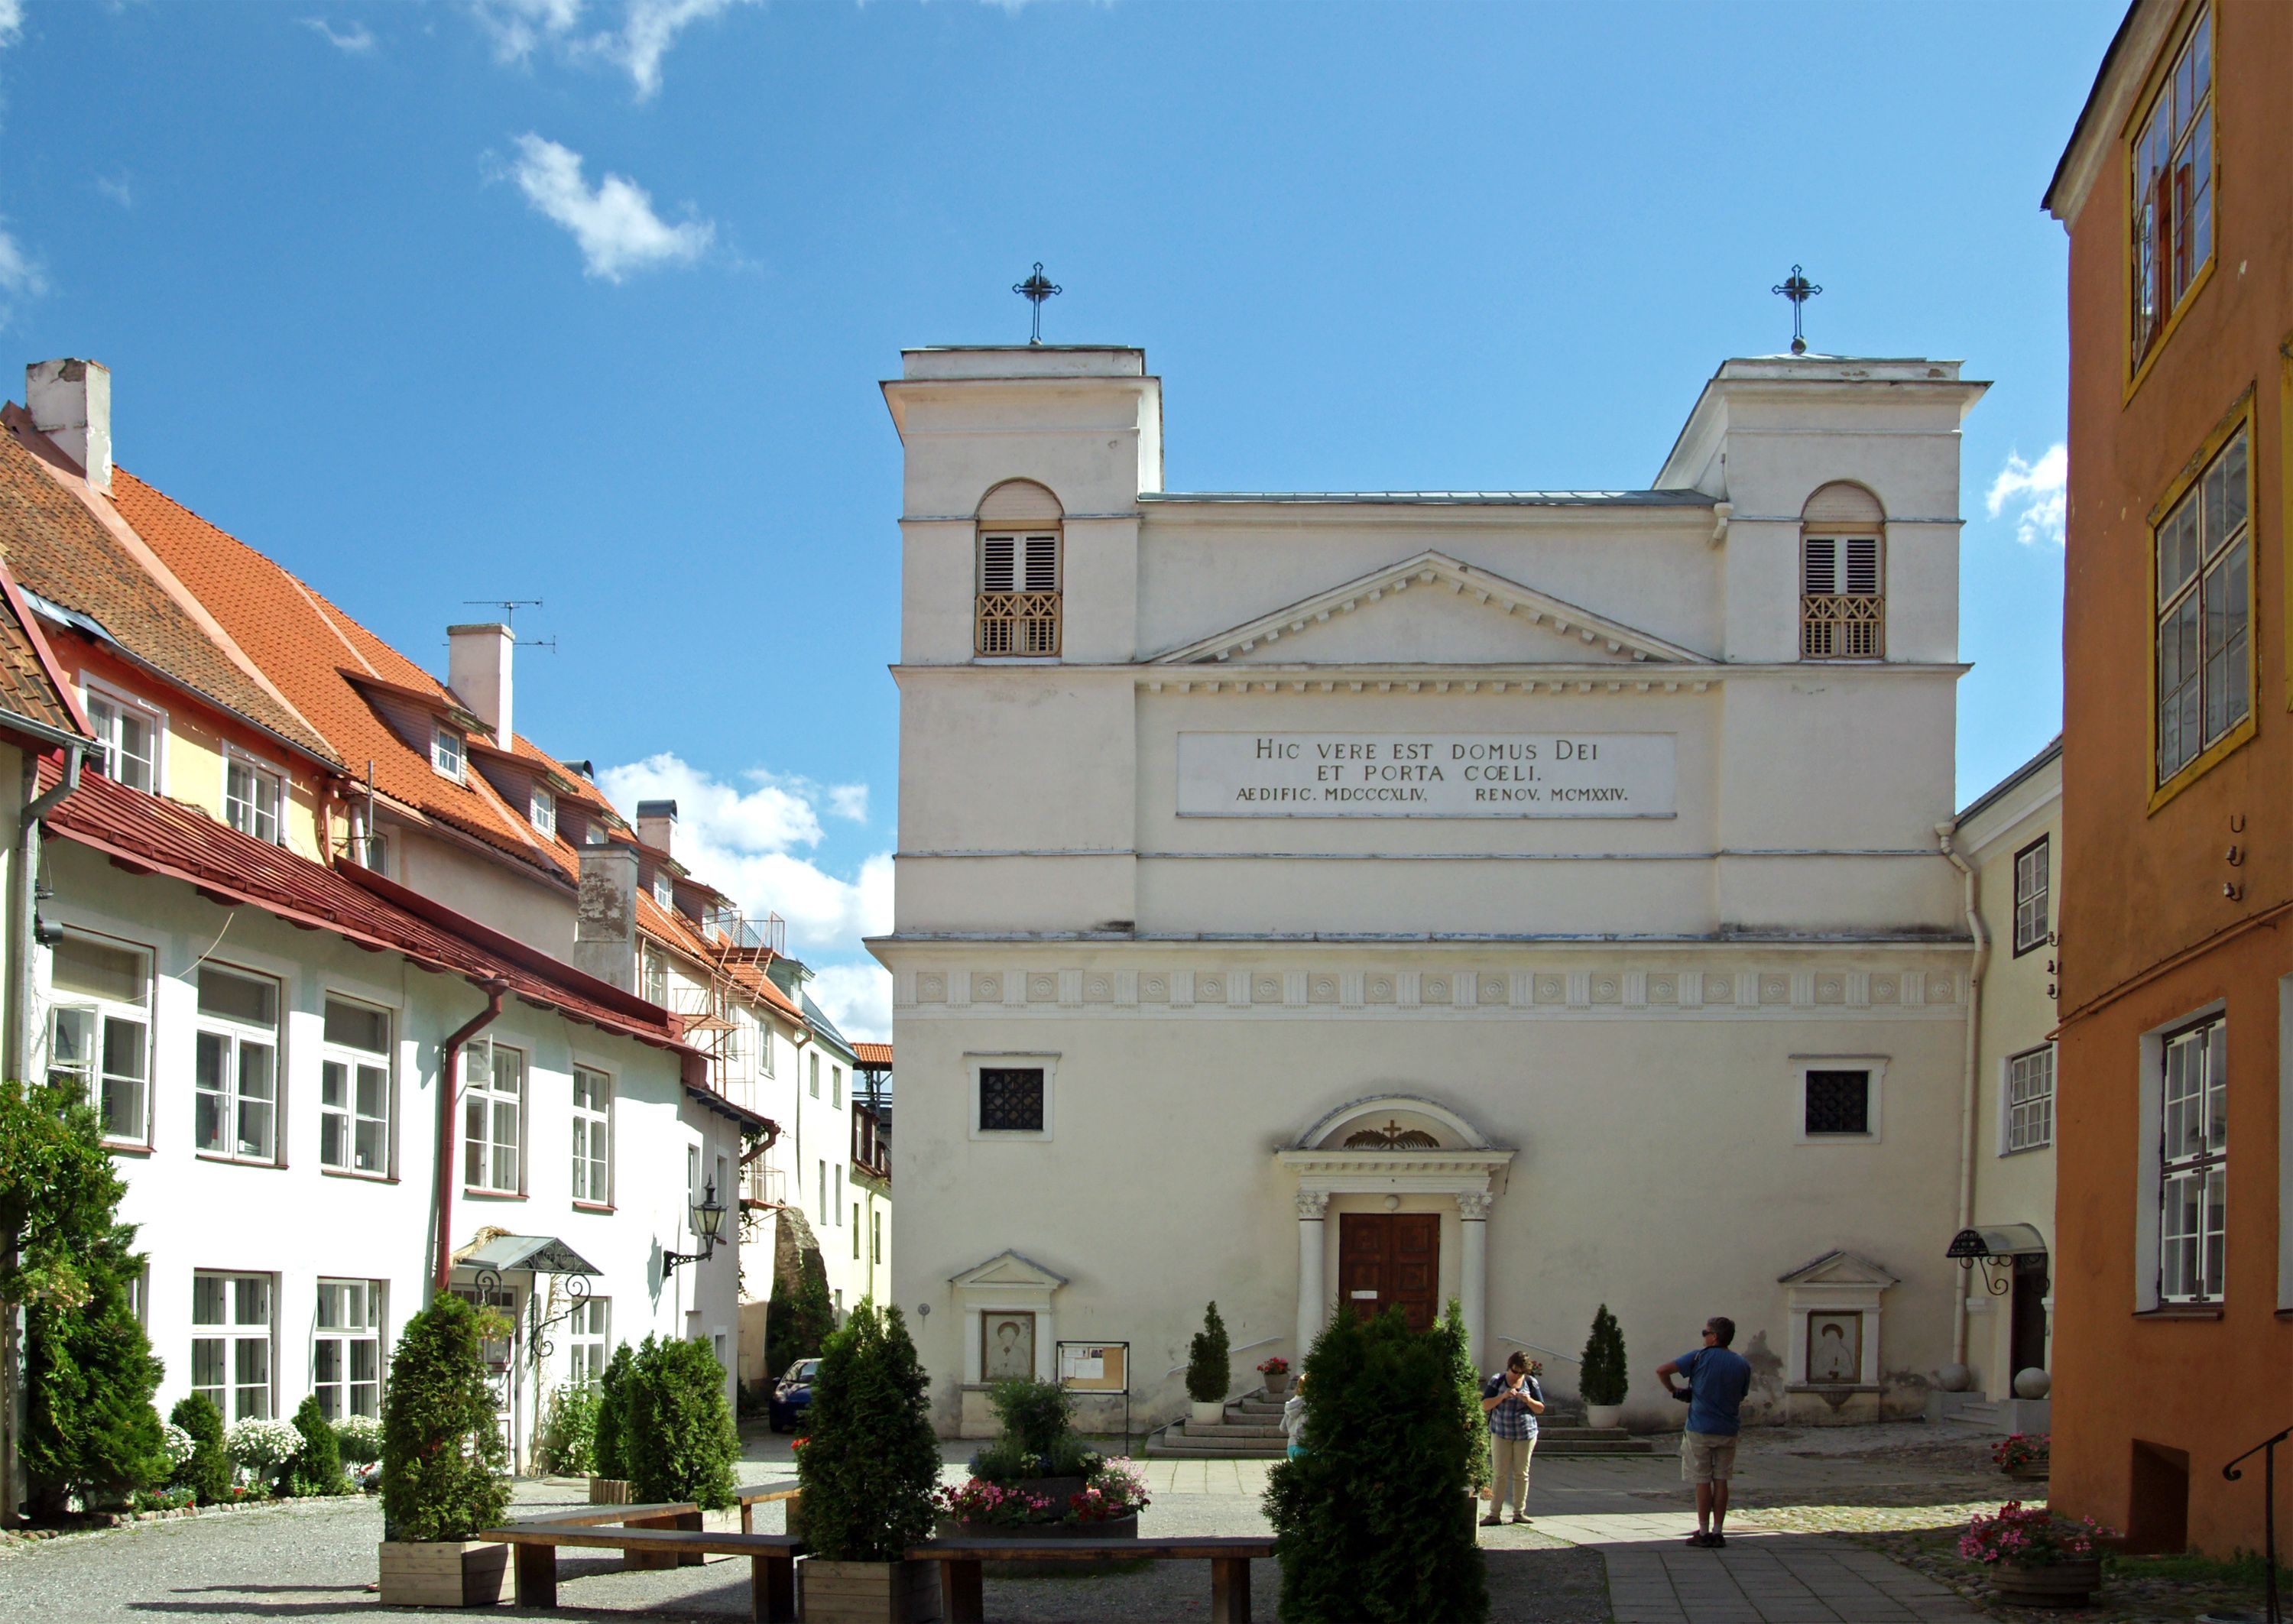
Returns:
(541, 1253)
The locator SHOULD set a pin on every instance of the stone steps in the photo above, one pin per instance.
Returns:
(1251, 1430)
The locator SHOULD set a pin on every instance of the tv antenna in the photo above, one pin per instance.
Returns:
(508, 607)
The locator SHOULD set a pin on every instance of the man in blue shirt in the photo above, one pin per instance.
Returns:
(1718, 1379)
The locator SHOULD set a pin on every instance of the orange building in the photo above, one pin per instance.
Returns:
(2174, 1294)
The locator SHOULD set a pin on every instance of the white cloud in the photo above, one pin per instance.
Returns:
(858, 997)
(650, 28)
(118, 190)
(356, 41)
(848, 801)
(2039, 490)
(519, 26)
(20, 275)
(613, 222)
(747, 839)
(12, 20)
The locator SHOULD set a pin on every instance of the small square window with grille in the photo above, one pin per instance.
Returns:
(1011, 1099)
(1839, 1102)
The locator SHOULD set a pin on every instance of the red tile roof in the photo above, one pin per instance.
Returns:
(59, 543)
(873, 1054)
(32, 686)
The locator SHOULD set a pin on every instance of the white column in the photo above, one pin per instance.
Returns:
(1312, 1205)
(1473, 1269)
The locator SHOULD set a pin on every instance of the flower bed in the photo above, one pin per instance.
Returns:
(2026, 1455)
(2035, 1556)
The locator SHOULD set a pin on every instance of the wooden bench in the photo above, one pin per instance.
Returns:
(771, 1558)
(962, 1591)
(762, 1494)
(659, 1514)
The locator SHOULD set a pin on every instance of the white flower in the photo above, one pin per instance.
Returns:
(260, 1444)
(178, 1445)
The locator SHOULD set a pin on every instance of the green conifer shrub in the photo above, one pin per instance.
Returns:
(317, 1468)
(1209, 1365)
(680, 1439)
(1605, 1379)
(88, 1374)
(608, 1446)
(207, 1474)
(1470, 1413)
(568, 1444)
(870, 1461)
(1371, 1523)
(444, 1469)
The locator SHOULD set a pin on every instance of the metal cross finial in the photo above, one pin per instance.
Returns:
(1034, 290)
(1799, 290)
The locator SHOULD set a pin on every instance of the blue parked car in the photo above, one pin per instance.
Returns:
(792, 1394)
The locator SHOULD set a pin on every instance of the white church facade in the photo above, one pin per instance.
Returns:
(1327, 902)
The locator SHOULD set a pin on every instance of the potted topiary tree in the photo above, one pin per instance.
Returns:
(1207, 1371)
(679, 1438)
(1365, 1519)
(444, 1471)
(868, 1468)
(608, 1483)
(1603, 1380)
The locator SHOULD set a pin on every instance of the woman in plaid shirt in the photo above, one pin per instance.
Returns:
(1514, 1399)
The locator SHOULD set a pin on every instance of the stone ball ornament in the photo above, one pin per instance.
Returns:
(2032, 1383)
(1954, 1377)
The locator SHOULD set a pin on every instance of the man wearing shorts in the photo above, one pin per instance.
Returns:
(1718, 1379)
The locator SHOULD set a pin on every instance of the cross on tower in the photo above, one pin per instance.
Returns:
(1034, 290)
(1799, 290)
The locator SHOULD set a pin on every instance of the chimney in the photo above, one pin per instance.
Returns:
(478, 671)
(657, 825)
(70, 402)
(605, 914)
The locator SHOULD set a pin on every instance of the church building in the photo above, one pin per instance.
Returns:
(1318, 901)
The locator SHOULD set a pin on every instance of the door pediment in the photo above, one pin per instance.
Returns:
(1432, 609)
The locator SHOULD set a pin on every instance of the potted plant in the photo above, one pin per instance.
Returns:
(2025, 1457)
(1276, 1372)
(2036, 1558)
(1604, 1379)
(1208, 1371)
(1039, 1480)
(444, 1470)
(868, 1468)
(609, 1482)
(678, 1439)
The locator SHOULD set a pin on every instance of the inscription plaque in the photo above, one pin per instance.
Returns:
(1426, 775)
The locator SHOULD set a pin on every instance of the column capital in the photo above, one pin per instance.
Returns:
(1473, 1205)
(1312, 1205)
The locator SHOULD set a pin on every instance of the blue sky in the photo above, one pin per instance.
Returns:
(586, 300)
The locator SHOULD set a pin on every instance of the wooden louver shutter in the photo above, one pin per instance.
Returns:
(1821, 559)
(1862, 575)
(998, 563)
(1042, 573)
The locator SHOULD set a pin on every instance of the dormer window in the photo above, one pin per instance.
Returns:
(446, 752)
(541, 812)
(664, 890)
(1843, 575)
(1017, 586)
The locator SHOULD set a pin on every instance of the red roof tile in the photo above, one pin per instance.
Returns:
(873, 1054)
(32, 687)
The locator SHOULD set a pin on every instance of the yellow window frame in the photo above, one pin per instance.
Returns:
(2239, 416)
(2162, 74)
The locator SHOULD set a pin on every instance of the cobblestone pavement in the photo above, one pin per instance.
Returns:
(1624, 1516)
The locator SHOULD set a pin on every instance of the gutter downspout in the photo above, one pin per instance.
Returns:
(449, 1074)
(1944, 833)
(27, 863)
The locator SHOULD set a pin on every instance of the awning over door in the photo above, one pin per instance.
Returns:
(535, 1254)
(2003, 1240)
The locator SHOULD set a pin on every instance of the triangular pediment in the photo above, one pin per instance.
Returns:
(1010, 1269)
(1838, 1269)
(1432, 609)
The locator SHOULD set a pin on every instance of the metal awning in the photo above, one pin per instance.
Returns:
(533, 1253)
(2003, 1240)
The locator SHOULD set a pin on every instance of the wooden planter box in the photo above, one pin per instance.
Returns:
(867, 1592)
(2035, 1473)
(1044, 1534)
(441, 1572)
(2054, 1584)
(610, 1491)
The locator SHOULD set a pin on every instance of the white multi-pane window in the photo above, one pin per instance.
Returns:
(588, 1337)
(838, 1176)
(251, 796)
(2033, 894)
(875, 1240)
(2204, 606)
(493, 1117)
(655, 966)
(346, 1349)
(446, 752)
(765, 1046)
(231, 1343)
(664, 889)
(236, 1070)
(836, 1087)
(816, 1074)
(99, 1030)
(2173, 201)
(822, 1187)
(2193, 1144)
(592, 1136)
(856, 1232)
(129, 736)
(354, 1089)
(541, 811)
(2030, 1100)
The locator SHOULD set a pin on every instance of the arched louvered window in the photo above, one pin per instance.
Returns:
(1842, 611)
(1017, 604)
